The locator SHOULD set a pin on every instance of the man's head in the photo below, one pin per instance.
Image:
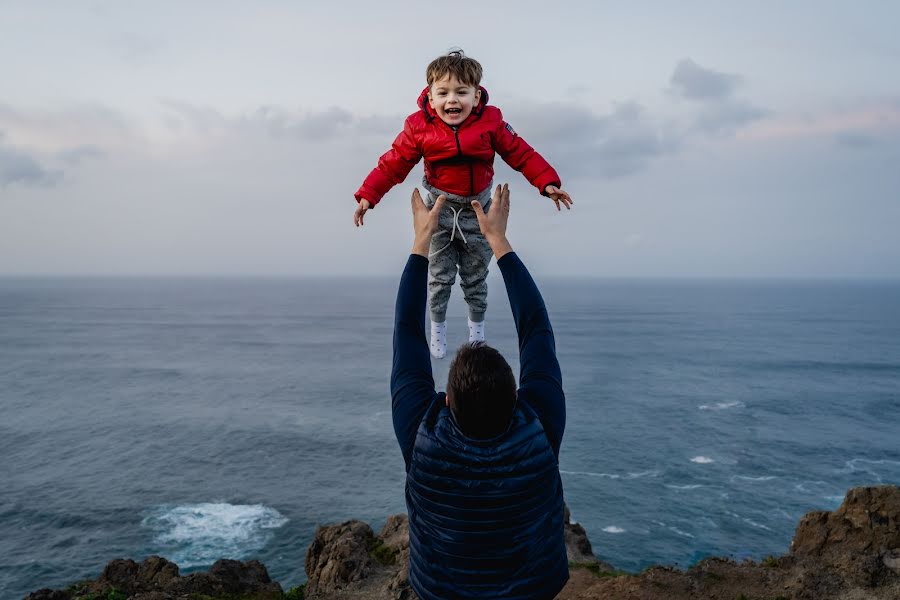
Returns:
(453, 86)
(481, 391)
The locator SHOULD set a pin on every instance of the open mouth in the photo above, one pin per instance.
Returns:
(453, 111)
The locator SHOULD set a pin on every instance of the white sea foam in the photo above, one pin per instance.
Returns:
(613, 529)
(747, 478)
(612, 475)
(590, 474)
(865, 465)
(755, 524)
(702, 460)
(680, 532)
(722, 405)
(690, 486)
(199, 534)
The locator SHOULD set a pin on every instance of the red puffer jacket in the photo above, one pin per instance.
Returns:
(460, 160)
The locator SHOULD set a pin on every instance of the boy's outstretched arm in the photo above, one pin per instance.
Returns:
(412, 384)
(523, 158)
(540, 378)
(393, 167)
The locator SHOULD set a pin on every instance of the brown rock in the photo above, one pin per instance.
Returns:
(337, 556)
(858, 539)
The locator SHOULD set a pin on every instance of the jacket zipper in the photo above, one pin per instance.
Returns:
(459, 153)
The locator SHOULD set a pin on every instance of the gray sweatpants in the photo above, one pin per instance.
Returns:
(470, 257)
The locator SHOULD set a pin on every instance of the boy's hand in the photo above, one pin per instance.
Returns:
(557, 195)
(425, 222)
(361, 208)
(493, 224)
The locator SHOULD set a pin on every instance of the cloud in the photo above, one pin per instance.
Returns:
(619, 143)
(16, 167)
(694, 82)
(719, 112)
(75, 156)
(727, 117)
(278, 122)
(855, 139)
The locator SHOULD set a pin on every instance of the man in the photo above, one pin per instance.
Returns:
(483, 489)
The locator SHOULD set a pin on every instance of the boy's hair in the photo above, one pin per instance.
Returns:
(466, 70)
(482, 391)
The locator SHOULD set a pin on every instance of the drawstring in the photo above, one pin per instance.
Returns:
(452, 231)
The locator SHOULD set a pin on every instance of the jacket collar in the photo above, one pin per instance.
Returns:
(430, 115)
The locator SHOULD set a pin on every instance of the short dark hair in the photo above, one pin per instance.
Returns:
(482, 390)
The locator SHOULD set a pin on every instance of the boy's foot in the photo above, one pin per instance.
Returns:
(439, 339)
(476, 331)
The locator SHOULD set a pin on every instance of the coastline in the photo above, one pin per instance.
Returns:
(850, 553)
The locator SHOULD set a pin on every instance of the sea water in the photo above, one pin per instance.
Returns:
(207, 418)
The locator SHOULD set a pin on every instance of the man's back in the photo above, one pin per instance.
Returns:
(489, 512)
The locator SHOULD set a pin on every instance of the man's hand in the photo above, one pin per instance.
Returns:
(361, 208)
(557, 195)
(493, 224)
(425, 222)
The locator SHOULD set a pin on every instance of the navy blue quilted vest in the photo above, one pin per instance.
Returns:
(485, 516)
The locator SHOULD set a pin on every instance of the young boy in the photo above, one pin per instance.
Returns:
(457, 133)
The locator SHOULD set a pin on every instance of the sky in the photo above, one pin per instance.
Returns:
(697, 139)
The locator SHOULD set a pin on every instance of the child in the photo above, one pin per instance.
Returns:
(457, 133)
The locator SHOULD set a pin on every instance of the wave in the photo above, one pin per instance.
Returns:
(722, 405)
(853, 466)
(748, 478)
(702, 460)
(690, 486)
(200, 534)
(613, 529)
(612, 475)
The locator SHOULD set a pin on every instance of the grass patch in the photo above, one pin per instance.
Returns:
(382, 554)
(770, 561)
(295, 593)
(597, 570)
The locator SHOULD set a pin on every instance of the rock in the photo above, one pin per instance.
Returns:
(48, 594)
(858, 539)
(337, 556)
(852, 553)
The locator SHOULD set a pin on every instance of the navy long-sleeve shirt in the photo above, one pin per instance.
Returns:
(412, 382)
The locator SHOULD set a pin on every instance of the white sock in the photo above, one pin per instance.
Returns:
(476, 331)
(439, 339)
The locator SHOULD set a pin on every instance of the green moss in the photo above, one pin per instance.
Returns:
(382, 554)
(596, 569)
(296, 593)
(770, 561)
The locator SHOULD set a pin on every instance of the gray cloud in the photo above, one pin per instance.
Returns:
(276, 122)
(611, 145)
(698, 83)
(724, 118)
(75, 156)
(856, 139)
(18, 167)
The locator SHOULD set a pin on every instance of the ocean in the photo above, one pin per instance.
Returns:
(208, 418)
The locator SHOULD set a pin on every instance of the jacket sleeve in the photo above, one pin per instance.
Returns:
(412, 384)
(540, 379)
(393, 166)
(522, 157)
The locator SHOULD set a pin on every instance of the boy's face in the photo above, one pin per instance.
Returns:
(452, 100)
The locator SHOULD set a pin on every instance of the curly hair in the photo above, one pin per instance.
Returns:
(466, 70)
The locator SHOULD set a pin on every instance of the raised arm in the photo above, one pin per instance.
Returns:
(412, 384)
(540, 379)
